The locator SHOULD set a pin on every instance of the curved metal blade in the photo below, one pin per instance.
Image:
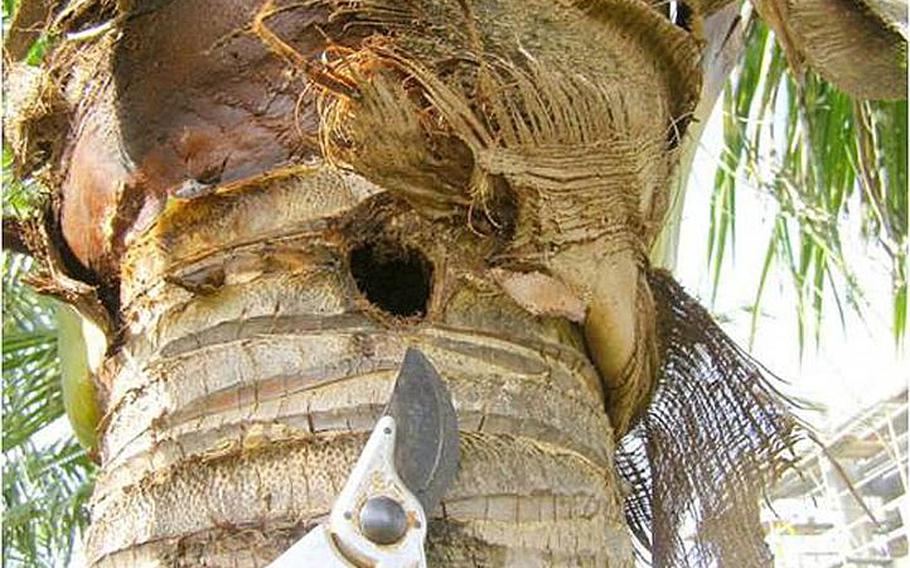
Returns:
(426, 449)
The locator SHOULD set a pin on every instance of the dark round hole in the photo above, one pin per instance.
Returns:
(394, 278)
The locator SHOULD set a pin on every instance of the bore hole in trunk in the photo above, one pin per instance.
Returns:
(393, 277)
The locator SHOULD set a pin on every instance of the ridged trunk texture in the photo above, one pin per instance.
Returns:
(255, 368)
(272, 201)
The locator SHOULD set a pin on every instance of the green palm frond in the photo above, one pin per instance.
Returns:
(46, 473)
(16, 194)
(45, 493)
(45, 484)
(818, 153)
(31, 392)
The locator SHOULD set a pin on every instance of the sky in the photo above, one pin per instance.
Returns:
(855, 364)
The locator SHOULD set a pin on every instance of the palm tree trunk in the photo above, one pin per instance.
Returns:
(484, 181)
(255, 367)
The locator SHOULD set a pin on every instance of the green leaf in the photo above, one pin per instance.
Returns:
(831, 149)
(38, 50)
(45, 487)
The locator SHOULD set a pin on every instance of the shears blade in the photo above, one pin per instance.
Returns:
(426, 448)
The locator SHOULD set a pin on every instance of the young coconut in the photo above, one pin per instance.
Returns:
(81, 345)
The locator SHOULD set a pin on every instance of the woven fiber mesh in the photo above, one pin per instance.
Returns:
(715, 435)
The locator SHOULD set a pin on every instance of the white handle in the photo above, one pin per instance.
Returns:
(315, 550)
(374, 475)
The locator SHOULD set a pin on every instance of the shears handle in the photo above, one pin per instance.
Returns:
(315, 549)
(357, 527)
(318, 550)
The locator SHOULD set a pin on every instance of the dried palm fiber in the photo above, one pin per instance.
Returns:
(708, 7)
(831, 36)
(580, 144)
(714, 437)
(704, 8)
(34, 115)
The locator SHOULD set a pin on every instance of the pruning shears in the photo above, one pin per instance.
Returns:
(411, 457)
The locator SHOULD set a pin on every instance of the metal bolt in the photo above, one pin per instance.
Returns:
(383, 520)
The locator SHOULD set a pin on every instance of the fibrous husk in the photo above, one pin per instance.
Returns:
(472, 102)
(35, 116)
(704, 7)
(715, 435)
(42, 103)
(708, 7)
(38, 108)
(28, 22)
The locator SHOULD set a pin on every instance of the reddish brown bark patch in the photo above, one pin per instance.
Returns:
(191, 106)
